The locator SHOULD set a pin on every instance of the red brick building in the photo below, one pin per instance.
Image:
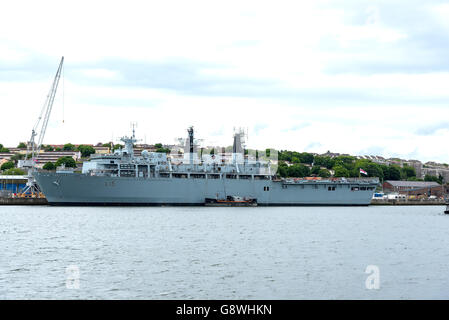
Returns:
(416, 188)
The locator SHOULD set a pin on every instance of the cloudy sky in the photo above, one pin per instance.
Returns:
(359, 77)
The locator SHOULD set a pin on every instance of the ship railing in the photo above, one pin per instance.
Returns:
(103, 172)
(331, 180)
(363, 179)
(103, 156)
(96, 155)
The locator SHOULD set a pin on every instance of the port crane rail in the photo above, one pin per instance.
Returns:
(33, 148)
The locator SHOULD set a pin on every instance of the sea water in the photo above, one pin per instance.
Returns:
(376, 252)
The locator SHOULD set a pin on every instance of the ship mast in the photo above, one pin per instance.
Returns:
(191, 145)
(129, 142)
(238, 149)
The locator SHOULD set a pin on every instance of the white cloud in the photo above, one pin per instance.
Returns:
(355, 76)
(100, 73)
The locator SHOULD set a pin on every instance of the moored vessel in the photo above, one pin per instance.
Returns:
(230, 201)
(154, 178)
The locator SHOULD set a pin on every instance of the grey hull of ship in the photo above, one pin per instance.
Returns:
(81, 189)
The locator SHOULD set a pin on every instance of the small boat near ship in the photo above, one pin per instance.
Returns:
(231, 201)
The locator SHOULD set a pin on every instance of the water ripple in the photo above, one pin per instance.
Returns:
(205, 253)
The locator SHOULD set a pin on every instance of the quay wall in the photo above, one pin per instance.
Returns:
(407, 202)
(22, 201)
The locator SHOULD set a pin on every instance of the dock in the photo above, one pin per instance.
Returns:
(408, 202)
(23, 201)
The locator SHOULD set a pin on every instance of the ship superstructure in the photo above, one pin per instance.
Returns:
(155, 178)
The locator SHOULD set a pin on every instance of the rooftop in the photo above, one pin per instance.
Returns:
(413, 184)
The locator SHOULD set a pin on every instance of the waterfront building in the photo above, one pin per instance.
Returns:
(11, 184)
(413, 188)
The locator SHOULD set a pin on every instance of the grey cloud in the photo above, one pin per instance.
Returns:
(34, 68)
(313, 145)
(432, 129)
(297, 127)
(259, 127)
(187, 77)
(372, 151)
(425, 48)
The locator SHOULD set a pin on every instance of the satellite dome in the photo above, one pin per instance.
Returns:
(145, 153)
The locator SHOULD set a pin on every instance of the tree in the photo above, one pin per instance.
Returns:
(298, 171)
(14, 172)
(49, 166)
(267, 153)
(306, 157)
(160, 148)
(3, 149)
(430, 178)
(282, 169)
(375, 170)
(18, 156)
(86, 150)
(48, 148)
(414, 179)
(212, 151)
(285, 155)
(7, 165)
(67, 161)
(347, 162)
(371, 168)
(341, 171)
(294, 157)
(22, 146)
(324, 173)
(315, 170)
(327, 162)
(68, 147)
(117, 146)
(408, 172)
(163, 150)
(295, 160)
(394, 173)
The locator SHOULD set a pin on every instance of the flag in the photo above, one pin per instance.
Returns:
(363, 172)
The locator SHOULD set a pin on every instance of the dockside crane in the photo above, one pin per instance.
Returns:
(33, 147)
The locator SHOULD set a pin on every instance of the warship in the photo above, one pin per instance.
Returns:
(187, 178)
